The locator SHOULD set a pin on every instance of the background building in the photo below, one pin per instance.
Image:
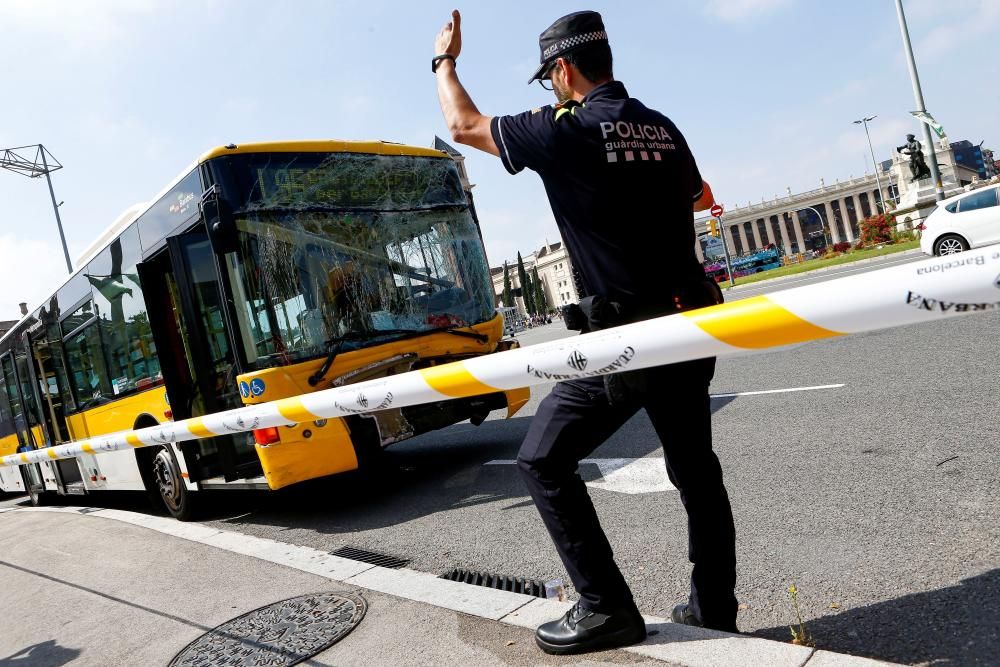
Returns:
(830, 214)
(555, 271)
(974, 157)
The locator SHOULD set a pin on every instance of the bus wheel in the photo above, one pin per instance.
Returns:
(175, 496)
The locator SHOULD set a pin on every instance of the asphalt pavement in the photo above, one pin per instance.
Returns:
(877, 498)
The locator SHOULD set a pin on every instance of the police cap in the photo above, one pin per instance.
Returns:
(568, 33)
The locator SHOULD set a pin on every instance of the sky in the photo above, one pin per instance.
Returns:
(127, 93)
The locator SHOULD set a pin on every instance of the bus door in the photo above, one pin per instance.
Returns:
(25, 422)
(45, 344)
(186, 311)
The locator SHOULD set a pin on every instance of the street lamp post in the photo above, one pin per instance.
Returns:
(878, 181)
(918, 97)
(40, 165)
(822, 223)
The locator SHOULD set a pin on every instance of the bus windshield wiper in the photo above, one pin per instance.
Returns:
(334, 344)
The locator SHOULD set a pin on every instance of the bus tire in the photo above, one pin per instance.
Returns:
(144, 459)
(36, 496)
(172, 492)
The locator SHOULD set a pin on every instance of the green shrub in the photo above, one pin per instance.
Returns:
(903, 236)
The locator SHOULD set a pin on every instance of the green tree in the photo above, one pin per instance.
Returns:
(529, 289)
(522, 278)
(507, 298)
(541, 306)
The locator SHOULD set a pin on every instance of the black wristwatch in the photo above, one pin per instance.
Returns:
(436, 60)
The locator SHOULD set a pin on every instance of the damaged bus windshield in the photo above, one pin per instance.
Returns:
(350, 248)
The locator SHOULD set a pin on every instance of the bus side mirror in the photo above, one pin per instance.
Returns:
(220, 223)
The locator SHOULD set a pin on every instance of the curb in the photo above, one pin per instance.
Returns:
(823, 269)
(669, 642)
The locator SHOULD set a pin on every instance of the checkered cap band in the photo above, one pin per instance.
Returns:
(575, 40)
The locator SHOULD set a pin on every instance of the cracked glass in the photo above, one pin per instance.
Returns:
(353, 249)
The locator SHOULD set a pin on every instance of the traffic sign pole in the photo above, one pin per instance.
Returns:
(725, 249)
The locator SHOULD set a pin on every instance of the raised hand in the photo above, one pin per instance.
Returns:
(449, 40)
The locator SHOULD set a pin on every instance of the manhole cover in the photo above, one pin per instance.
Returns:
(283, 633)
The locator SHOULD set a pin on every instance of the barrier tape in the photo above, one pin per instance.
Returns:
(924, 291)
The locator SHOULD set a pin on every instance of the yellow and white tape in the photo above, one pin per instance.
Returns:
(923, 291)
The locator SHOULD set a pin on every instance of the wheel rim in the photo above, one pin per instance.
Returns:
(167, 480)
(950, 247)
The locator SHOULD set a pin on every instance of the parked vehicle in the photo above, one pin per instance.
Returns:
(968, 220)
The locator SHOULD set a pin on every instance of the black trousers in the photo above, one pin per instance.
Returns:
(574, 420)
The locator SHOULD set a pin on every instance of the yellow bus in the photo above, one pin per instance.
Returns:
(264, 271)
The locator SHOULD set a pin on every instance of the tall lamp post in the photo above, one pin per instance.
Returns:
(918, 97)
(878, 181)
(822, 224)
(42, 164)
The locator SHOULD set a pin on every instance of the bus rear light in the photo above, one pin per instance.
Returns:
(266, 436)
(169, 414)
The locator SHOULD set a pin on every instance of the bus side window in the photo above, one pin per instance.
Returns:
(87, 373)
(6, 417)
(125, 334)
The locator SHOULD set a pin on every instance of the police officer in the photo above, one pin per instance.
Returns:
(622, 184)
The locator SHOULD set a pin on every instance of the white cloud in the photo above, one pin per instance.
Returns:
(737, 10)
(963, 26)
(30, 271)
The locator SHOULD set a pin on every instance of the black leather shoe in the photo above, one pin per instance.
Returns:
(581, 630)
(682, 613)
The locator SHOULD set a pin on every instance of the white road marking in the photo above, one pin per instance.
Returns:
(631, 476)
(649, 474)
(778, 391)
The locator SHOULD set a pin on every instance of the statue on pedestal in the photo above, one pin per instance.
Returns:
(918, 167)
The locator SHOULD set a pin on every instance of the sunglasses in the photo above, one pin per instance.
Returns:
(544, 81)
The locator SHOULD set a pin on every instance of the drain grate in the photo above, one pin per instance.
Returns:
(534, 587)
(371, 557)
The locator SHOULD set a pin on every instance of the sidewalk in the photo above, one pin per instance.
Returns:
(837, 267)
(87, 586)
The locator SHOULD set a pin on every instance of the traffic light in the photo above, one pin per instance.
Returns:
(713, 227)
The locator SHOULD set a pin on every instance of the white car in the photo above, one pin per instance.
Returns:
(968, 220)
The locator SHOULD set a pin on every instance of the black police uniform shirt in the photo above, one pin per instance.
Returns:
(621, 181)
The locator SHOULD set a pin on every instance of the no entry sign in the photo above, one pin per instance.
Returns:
(716, 211)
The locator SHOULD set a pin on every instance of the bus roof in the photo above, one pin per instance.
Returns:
(323, 146)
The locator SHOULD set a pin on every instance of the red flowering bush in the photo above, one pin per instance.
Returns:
(877, 229)
(843, 246)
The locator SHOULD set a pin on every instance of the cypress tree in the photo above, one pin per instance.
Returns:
(522, 278)
(507, 298)
(540, 304)
(529, 292)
